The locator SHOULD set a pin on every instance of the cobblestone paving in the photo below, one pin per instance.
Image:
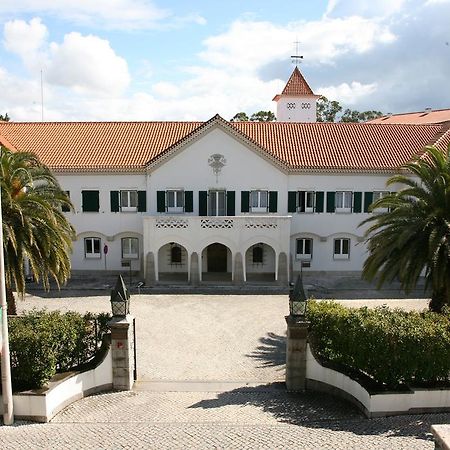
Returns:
(262, 417)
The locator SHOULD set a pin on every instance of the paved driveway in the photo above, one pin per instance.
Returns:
(209, 367)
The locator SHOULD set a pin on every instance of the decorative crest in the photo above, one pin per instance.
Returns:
(217, 162)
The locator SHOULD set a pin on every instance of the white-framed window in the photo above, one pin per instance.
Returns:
(304, 249)
(376, 196)
(217, 203)
(92, 248)
(259, 201)
(344, 201)
(128, 200)
(130, 248)
(341, 248)
(305, 201)
(175, 200)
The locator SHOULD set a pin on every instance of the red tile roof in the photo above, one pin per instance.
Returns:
(297, 85)
(436, 116)
(95, 146)
(131, 146)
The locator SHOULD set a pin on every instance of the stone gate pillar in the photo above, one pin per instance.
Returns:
(297, 338)
(122, 350)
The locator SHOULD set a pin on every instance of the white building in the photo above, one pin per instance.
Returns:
(242, 202)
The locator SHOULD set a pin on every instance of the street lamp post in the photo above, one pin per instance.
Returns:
(8, 417)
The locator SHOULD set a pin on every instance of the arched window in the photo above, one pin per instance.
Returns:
(257, 254)
(175, 254)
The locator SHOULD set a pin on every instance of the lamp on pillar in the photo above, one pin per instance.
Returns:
(120, 299)
(297, 300)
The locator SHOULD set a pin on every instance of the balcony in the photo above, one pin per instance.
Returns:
(236, 232)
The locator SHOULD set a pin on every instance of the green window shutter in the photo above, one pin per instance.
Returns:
(368, 200)
(245, 201)
(292, 201)
(231, 209)
(161, 201)
(66, 208)
(331, 200)
(188, 201)
(273, 201)
(142, 201)
(319, 201)
(357, 202)
(90, 201)
(202, 203)
(114, 198)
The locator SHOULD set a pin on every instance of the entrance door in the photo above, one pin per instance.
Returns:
(217, 258)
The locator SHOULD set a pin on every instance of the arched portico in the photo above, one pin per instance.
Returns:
(260, 263)
(173, 263)
(216, 262)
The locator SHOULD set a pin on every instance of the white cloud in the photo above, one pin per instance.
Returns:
(247, 46)
(112, 14)
(26, 39)
(364, 8)
(348, 93)
(87, 63)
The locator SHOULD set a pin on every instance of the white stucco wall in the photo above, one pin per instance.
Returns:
(297, 109)
(245, 170)
(109, 226)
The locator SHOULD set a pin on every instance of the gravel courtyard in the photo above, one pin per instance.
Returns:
(209, 377)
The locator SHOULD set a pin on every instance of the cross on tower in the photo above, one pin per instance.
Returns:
(296, 59)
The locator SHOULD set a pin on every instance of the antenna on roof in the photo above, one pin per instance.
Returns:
(296, 59)
(42, 98)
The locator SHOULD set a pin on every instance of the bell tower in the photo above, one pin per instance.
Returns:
(297, 102)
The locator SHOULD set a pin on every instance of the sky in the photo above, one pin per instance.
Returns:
(178, 60)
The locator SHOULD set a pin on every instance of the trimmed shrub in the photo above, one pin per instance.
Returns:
(391, 346)
(43, 343)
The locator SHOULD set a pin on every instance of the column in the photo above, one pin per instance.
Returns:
(282, 277)
(150, 277)
(238, 277)
(194, 270)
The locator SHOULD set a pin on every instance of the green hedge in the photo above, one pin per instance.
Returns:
(43, 343)
(391, 346)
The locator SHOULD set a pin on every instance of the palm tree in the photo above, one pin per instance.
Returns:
(413, 237)
(34, 228)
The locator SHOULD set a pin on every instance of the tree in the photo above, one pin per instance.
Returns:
(4, 118)
(356, 116)
(240, 117)
(34, 227)
(260, 116)
(327, 110)
(263, 116)
(413, 236)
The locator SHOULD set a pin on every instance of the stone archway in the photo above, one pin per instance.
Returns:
(216, 263)
(173, 263)
(260, 263)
